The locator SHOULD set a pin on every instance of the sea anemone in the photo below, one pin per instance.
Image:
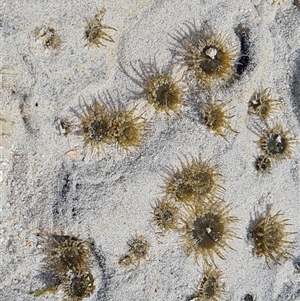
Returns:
(195, 180)
(207, 227)
(269, 236)
(209, 57)
(128, 128)
(276, 143)
(66, 266)
(161, 90)
(263, 164)
(78, 286)
(210, 287)
(215, 117)
(138, 250)
(94, 125)
(263, 106)
(66, 253)
(165, 215)
(138, 247)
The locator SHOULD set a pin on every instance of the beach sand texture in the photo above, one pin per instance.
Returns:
(53, 184)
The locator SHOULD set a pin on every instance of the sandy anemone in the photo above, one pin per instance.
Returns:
(78, 286)
(269, 236)
(161, 90)
(194, 180)
(263, 164)
(276, 143)
(165, 215)
(138, 246)
(210, 287)
(66, 266)
(207, 229)
(263, 106)
(138, 250)
(215, 117)
(67, 253)
(209, 57)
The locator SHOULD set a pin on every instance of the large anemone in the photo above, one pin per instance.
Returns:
(207, 229)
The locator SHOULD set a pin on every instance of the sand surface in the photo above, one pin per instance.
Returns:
(50, 183)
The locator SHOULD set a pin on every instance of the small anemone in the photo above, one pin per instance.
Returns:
(207, 229)
(263, 106)
(94, 125)
(194, 180)
(138, 250)
(138, 247)
(162, 91)
(269, 236)
(95, 30)
(276, 143)
(128, 129)
(210, 287)
(165, 215)
(78, 286)
(215, 117)
(263, 164)
(208, 56)
(108, 123)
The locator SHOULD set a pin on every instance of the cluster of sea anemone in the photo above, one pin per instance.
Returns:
(67, 261)
(109, 122)
(275, 143)
(205, 61)
(193, 204)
